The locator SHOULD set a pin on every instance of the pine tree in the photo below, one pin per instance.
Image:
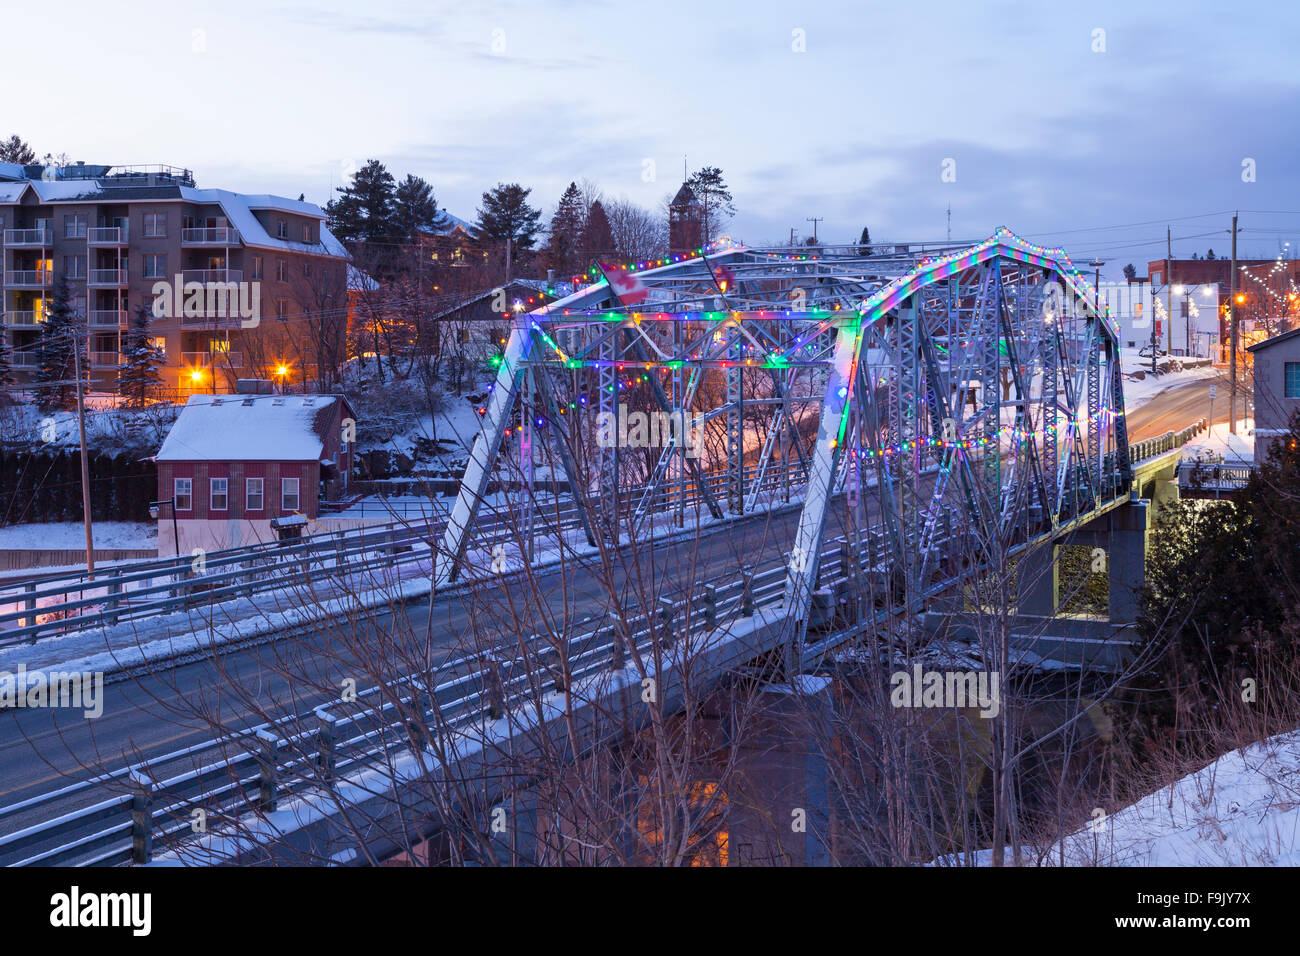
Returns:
(1210, 254)
(597, 237)
(566, 232)
(864, 242)
(364, 208)
(1130, 272)
(6, 369)
(415, 209)
(14, 150)
(137, 376)
(55, 377)
(714, 197)
(505, 214)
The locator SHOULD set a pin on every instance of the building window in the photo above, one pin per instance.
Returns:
(281, 309)
(217, 497)
(74, 227)
(183, 493)
(281, 229)
(75, 266)
(257, 267)
(155, 266)
(155, 225)
(306, 270)
(281, 270)
(288, 494)
(253, 494)
(306, 232)
(1291, 379)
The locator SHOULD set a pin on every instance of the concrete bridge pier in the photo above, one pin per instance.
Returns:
(1122, 534)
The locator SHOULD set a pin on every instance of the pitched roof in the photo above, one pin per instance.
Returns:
(1282, 337)
(250, 428)
(685, 196)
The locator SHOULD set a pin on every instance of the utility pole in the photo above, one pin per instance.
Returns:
(814, 220)
(85, 464)
(1232, 332)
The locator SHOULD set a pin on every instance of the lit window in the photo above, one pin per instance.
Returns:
(217, 498)
(183, 493)
(253, 494)
(1291, 379)
(288, 494)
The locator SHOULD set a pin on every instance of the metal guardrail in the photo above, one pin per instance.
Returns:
(41, 607)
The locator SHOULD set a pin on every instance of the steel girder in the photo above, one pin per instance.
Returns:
(900, 357)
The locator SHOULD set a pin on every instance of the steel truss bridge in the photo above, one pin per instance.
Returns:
(977, 387)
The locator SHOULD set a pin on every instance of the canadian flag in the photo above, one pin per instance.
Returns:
(626, 285)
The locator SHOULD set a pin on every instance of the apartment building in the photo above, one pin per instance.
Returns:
(237, 285)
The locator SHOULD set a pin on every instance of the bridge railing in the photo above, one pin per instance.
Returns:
(59, 604)
(1163, 444)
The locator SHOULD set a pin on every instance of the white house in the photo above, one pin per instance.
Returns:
(1195, 310)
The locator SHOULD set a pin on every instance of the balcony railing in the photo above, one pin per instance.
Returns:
(104, 360)
(107, 236)
(42, 236)
(111, 318)
(210, 236)
(108, 277)
(212, 275)
(23, 360)
(20, 318)
(29, 278)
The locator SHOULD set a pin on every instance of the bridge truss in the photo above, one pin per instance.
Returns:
(975, 389)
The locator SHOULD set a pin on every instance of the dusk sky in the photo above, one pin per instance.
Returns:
(1048, 135)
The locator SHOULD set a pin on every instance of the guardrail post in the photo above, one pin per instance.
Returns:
(846, 560)
(114, 589)
(326, 742)
(141, 817)
(29, 604)
(666, 608)
(710, 606)
(493, 685)
(268, 756)
(747, 590)
(617, 660)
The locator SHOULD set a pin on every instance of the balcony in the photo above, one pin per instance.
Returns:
(23, 360)
(212, 275)
(31, 238)
(109, 318)
(20, 318)
(104, 360)
(29, 279)
(213, 236)
(107, 236)
(110, 278)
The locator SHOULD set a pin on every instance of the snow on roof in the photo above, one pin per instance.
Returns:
(12, 192)
(239, 210)
(248, 428)
(54, 190)
(358, 281)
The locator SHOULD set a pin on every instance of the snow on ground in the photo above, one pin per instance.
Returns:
(1220, 445)
(1139, 391)
(1241, 810)
(71, 535)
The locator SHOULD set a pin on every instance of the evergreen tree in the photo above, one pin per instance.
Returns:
(137, 376)
(597, 237)
(566, 232)
(1130, 272)
(864, 242)
(415, 209)
(6, 369)
(1210, 254)
(55, 377)
(364, 209)
(14, 150)
(505, 214)
(715, 199)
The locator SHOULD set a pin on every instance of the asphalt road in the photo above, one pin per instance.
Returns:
(155, 714)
